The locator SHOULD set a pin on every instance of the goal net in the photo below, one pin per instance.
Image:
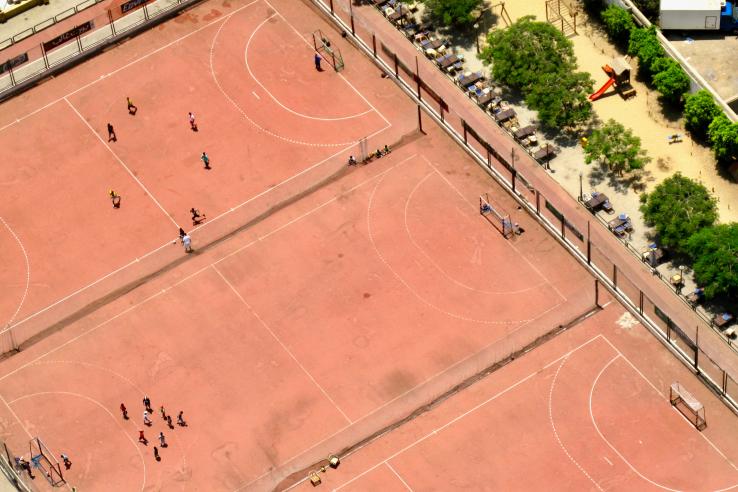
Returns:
(496, 216)
(43, 460)
(688, 405)
(331, 54)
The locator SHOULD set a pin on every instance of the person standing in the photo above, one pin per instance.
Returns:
(317, 62)
(162, 440)
(142, 438)
(169, 422)
(187, 243)
(147, 420)
(180, 419)
(193, 125)
(111, 133)
(124, 411)
(67, 462)
(132, 108)
(156, 454)
(147, 404)
(205, 160)
(115, 198)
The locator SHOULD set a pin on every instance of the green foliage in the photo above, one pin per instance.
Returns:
(678, 208)
(699, 111)
(615, 147)
(649, 8)
(521, 54)
(645, 45)
(723, 135)
(562, 99)
(453, 12)
(670, 80)
(618, 24)
(715, 254)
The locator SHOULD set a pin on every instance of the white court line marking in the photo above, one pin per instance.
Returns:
(459, 417)
(182, 280)
(439, 268)
(28, 273)
(246, 116)
(120, 161)
(415, 293)
(255, 94)
(127, 65)
(279, 341)
(15, 416)
(296, 113)
(398, 476)
(340, 74)
(608, 461)
(681, 417)
(94, 401)
(555, 432)
(475, 207)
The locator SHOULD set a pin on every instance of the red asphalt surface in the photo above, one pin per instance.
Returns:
(319, 323)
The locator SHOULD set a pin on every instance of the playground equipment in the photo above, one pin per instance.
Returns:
(619, 73)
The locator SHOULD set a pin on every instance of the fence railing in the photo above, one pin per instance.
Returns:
(20, 65)
(714, 364)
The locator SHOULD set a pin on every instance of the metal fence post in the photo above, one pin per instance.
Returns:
(111, 21)
(615, 276)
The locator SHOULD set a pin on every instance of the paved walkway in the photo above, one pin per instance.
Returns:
(628, 266)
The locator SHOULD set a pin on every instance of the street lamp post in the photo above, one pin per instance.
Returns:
(476, 36)
(581, 191)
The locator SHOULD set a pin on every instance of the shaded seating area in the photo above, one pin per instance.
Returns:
(469, 78)
(598, 201)
(696, 296)
(545, 153)
(450, 63)
(722, 320)
(652, 255)
(621, 225)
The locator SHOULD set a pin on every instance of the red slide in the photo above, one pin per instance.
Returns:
(596, 95)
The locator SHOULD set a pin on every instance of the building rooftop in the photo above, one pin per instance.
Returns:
(691, 5)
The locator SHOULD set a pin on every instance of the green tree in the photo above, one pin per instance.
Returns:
(615, 147)
(645, 45)
(453, 12)
(649, 8)
(678, 208)
(561, 99)
(521, 54)
(699, 111)
(670, 80)
(715, 254)
(723, 136)
(618, 24)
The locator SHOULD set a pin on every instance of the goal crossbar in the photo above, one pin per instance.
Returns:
(496, 216)
(688, 405)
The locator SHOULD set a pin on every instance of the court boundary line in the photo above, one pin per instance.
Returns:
(15, 416)
(279, 341)
(127, 65)
(254, 123)
(392, 469)
(251, 73)
(28, 274)
(166, 289)
(120, 161)
(435, 431)
(474, 206)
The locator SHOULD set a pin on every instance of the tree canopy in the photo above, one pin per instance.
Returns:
(562, 99)
(616, 147)
(715, 253)
(521, 54)
(723, 136)
(670, 80)
(453, 12)
(678, 208)
(618, 24)
(699, 111)
(645, 45)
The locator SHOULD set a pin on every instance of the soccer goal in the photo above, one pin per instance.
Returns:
(43, 459)
(496, 216)
(688, 405)
(331, 54)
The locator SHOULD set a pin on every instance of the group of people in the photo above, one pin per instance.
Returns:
(372, 155)
(148, 411)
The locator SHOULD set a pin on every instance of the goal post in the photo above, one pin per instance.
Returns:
(43, 459)
(331, 54)
(496, 216)
(688, 405)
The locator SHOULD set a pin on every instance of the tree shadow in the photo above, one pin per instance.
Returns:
(636, 180)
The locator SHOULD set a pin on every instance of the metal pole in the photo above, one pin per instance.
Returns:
(514, 173)
(374, 44)
(417, 76)
(43, 54)
(331, 2)
(111, 21)
(420, 120)
(397, 67)
(597, 293)
(615, 276)
(589, 246)
(10, 72)
(351, 13)
(697, 352)
(581, 191)
(538, 202)
(79, 43)
(146, 12)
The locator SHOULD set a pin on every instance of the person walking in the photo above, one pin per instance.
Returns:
(156, 454)
(180, 419)
(124, 411)
(147, 420)
(197, 217)
(182, 234)
(162, 440)
(161, 408)
(351, 161)
(111, 133)
(205, 160)
(193, 125)
(317, 63)
(147, 404)
(132, 108)
(142, 438)
(67, 462)
(169, 421)
(114, 198)
(187, 243)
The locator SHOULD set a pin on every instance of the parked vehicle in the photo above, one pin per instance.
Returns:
(698, 15)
